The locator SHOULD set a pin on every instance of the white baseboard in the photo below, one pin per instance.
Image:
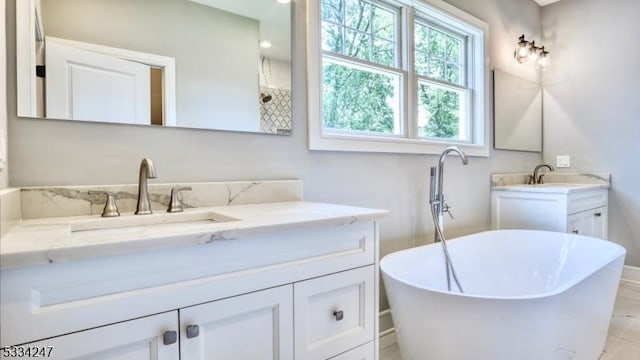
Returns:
(631, 273)
(388, 338)
(387, 331)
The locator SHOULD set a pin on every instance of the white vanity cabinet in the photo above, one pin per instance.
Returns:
(307, 292)
(581, 212)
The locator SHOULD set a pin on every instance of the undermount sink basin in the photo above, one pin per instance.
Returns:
(130, 220)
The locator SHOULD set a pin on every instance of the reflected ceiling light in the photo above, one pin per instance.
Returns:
(543, 59)
(528, 51)
(265, 44)
(521, 54)
(283, 1)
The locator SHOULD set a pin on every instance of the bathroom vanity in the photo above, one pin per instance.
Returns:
(574, 203)
(252, 272)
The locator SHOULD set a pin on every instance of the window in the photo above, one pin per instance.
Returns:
(395, 76)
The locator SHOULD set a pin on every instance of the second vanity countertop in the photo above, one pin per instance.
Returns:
(58, 239)
(555, 182)
(551, 188)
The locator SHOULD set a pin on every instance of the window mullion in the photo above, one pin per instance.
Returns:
(410, 84)
(443, 83)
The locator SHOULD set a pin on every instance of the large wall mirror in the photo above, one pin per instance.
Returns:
(517, 113)
(209, 64)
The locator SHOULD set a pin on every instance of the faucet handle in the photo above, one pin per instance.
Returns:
(541, 179)
(175, 204)
(447, 209)
(110, 207)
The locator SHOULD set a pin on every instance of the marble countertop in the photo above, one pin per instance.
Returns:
(57, 239)
(555, 182)
(551, 188)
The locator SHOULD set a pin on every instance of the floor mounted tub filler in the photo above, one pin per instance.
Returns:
(528, 295)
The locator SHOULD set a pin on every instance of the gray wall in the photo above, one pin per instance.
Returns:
(3, 98)
(216, 52)
(59, 153)
(592, 101)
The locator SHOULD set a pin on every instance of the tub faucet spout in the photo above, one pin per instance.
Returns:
(147, 171)
(436, 195)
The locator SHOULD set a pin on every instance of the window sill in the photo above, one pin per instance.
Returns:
(391, 145)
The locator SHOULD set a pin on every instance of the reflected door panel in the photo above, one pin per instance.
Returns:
(84, 85)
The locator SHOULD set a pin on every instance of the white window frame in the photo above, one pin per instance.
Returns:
(477, 75)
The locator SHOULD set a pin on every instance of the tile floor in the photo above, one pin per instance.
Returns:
(623, 340)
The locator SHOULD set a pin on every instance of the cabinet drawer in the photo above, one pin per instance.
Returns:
(586, 201)
(334, 313)
(364, 352)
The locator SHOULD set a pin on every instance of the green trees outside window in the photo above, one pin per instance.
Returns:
(362, 74)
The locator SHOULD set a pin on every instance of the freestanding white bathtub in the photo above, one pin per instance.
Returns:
(529, 295)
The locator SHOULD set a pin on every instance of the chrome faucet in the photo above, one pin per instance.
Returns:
(147, 171)
(436, 196)
(537, 179)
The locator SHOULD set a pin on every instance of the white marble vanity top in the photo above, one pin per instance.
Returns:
(57, 239)
(554, 188)
(555, 183)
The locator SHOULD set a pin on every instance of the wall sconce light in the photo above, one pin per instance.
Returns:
(527, 51)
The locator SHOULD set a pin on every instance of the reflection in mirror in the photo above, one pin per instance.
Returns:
(211, 64)
(517, 113)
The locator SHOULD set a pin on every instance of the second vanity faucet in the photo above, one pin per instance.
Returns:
(147, 171)
(537, 179)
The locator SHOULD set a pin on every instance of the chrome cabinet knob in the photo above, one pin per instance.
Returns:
(175, 204)
(110, 207)
(169, 337)
(598, 214)
(338, 314)
(575, 231)
(193, 331)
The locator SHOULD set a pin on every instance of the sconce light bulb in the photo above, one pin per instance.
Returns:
(543, 61)
(523, 51)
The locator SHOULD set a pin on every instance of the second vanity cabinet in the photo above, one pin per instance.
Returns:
(562, 209)
(305, 293)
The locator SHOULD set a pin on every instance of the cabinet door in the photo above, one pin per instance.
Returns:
(254, 326)
(589, 223)
(130, 340)
(600, 222)
(574, 224)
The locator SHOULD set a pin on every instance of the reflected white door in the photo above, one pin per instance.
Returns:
(85, 85)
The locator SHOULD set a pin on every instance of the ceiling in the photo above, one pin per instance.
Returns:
(545, 2)
(274, 19)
